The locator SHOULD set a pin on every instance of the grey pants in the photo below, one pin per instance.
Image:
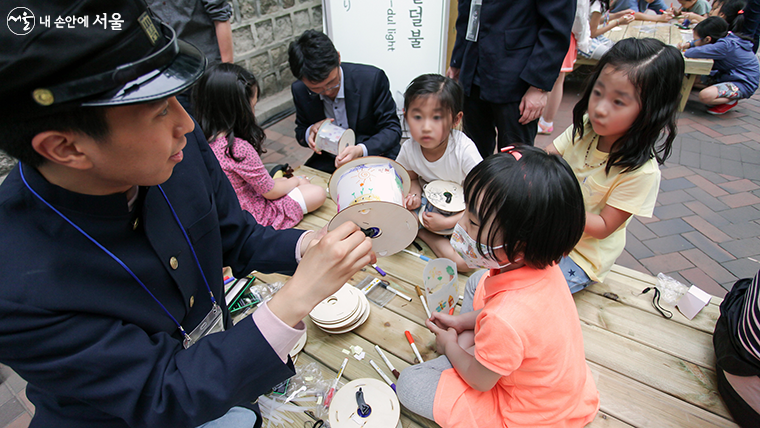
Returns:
(417, 384)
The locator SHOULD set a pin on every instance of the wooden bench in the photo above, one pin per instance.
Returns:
(650, 371)
(668, 34)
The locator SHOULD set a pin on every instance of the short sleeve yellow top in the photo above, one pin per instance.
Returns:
(634, 192)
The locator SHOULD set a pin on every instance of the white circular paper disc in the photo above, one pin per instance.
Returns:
(435, 194)
(338, 307)
(440, 232)
(298, 346)
(397, 225)
(377, 394)
(360, 321)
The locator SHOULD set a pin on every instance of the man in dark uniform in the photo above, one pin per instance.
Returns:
(116, 224)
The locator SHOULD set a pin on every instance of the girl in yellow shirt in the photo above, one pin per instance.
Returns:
(613, 149)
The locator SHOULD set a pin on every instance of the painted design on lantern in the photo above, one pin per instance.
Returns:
(363, 180)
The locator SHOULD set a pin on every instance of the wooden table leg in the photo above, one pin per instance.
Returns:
(688, 82)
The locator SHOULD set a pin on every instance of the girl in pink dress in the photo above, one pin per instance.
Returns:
(224, 99)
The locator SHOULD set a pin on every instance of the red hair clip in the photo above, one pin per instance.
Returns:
(511, 150)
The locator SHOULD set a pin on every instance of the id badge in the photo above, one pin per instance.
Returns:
(212, 323)
(473, 25)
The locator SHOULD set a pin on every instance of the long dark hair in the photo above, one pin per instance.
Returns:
(222, 99)
(733, 10)
(535, 205)
(655, 70)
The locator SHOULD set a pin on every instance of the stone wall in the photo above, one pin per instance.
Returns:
(261, 33)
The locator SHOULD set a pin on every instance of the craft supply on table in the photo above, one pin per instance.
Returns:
(387, 361)
(443, 197)
(387, 286)
(377, 268)
(440, 278)
(383, 375)
(422, 256)
(367, 403)
(331, 392)
(375, 291)
(410, 339)
(370, 192)
(342, 312)
(298, 347)
(333, 139)
(424, 303)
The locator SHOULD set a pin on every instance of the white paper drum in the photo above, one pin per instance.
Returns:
(377, 394)
(445, 198)
(333, 139)
(370, 192)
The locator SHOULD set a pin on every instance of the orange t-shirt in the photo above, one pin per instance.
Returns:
(528, 332)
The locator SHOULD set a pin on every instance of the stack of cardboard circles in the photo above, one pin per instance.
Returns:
(385, 409)
(342, 312)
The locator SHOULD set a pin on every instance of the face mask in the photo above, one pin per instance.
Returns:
(466, 247)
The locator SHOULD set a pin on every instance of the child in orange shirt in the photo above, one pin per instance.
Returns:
(514, 355)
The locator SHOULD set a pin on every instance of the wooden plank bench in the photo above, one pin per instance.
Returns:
(650, 371)
(668, 34)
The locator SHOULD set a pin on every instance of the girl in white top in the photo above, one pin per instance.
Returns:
(436, 151)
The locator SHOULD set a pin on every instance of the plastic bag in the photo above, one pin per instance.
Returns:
(307, 390)
(670, 289)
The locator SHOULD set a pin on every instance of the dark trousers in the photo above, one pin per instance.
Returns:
(324, 162)
(482, 119)
(744, 415)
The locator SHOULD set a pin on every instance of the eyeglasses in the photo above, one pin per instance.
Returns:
(327, 89)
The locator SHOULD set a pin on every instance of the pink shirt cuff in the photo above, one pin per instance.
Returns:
(280, 336)
(298, 245)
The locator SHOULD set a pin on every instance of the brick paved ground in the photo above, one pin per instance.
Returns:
(705, 229)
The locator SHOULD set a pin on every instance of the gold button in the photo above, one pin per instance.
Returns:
(192, 301)
(135, 223)
(173, 263)
(43, 97)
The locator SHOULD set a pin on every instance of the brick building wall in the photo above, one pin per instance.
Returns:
(261, 33)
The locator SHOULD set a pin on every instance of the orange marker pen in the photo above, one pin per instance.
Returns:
(414, 347)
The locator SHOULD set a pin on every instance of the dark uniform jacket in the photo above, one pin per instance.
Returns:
(521, 43)
(95, 348)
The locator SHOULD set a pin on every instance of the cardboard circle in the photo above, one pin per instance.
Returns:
(332, 138)
(369, 160)
(338, 307)
(396, 226)
(358, 313)
(386, 409)
(357, 323)
(435, 193)
(421, 211)
(298, 346)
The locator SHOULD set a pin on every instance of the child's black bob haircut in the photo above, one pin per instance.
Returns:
(448, 91)
(535, 205)
(655, 70)
(222, 100)
(714, 27)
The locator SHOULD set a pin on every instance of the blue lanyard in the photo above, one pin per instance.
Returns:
(113, 256)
